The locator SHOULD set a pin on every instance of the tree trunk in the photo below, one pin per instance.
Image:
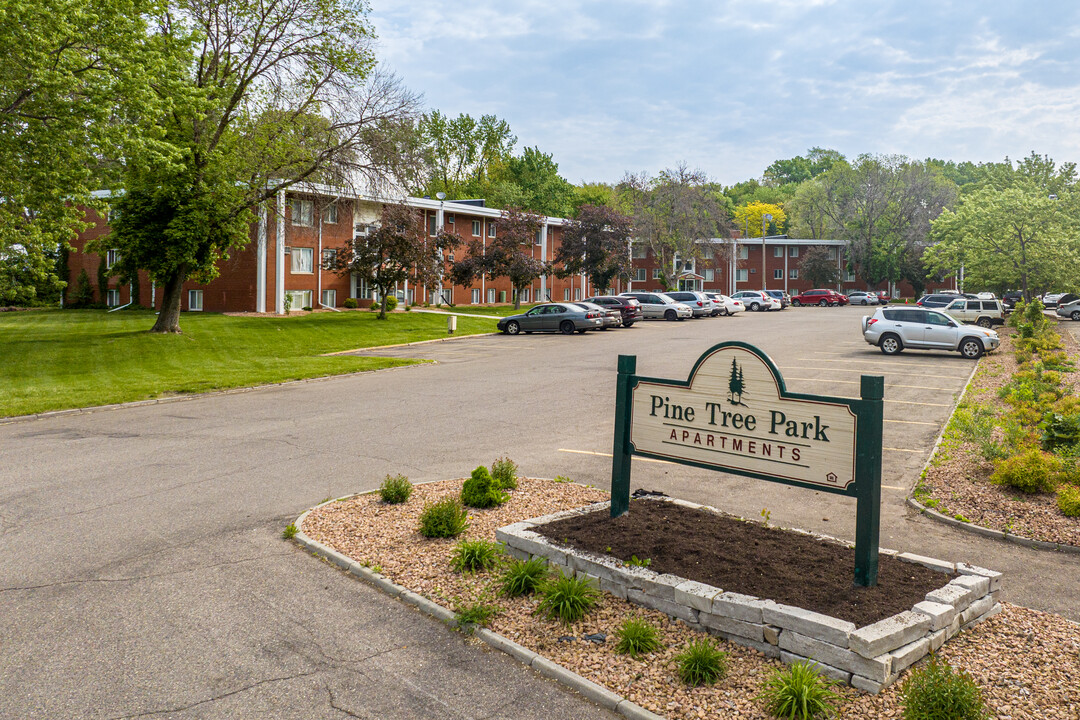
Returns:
(382, 306)
(168, 320)
(517, 298)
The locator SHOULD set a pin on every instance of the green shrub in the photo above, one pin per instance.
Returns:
(350, 303)
(567, 598)
(637, 637)
(443, 519)
(504, 470)
(290, 531)
(561, 479)
(937, 692)
(469, 615)
(1031, 471)
(701, 663)
(395, 489)
(1068, 500)
(475, 555)
(391, 303)
(82, 295)
(797, 692)
(482, 491)
(522, 577)
(1059, 430)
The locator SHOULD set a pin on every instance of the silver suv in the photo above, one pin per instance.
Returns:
(894, 329)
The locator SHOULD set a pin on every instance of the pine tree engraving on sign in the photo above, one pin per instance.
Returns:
(736, 385)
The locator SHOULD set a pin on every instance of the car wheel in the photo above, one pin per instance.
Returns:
(724, 312)
(513, 328)
(971, 348)
(864, 301)
(985, 323)
(754, 307)
(566, 328)
(629, 324)
(1075, 315)
(796, 303)
(671, 315)
(890, 344)
(823, 303)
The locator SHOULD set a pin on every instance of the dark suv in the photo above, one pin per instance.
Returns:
(940, 300)
(629, 307)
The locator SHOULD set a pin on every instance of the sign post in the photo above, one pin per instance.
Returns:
(734, 414)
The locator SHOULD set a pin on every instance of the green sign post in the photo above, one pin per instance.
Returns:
(734, 414)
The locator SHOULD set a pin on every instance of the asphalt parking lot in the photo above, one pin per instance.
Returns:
(144, 574)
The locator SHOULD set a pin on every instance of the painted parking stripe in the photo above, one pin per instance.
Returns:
(903, 450)
(909, 402)
(888, 363)
(863, 372)
(912, 422)
(856, 382)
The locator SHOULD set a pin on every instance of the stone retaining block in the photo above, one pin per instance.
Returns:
(889, 634)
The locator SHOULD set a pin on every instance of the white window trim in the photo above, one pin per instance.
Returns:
(299, 252)
(778, 251)
(112, 297)
(112, 257)
(477, 228)
(793, 251)
(330, 215)
(303, 212)
(793, 274)
(491, 229)
(195, 307)
(331, 295)
(740, 275)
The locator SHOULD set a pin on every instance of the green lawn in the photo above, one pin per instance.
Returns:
(51, 360)
(492, 310)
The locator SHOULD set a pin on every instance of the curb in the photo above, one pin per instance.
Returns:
(970, 527)
(411, 344)
(567, 678)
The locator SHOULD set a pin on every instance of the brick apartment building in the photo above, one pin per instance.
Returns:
(313, 223)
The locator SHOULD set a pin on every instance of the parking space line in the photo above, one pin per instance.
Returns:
(911, 422)
(909, 402)
(603, 454)
(863, 372)
(856, 382)
(887, 363)
(903, 450)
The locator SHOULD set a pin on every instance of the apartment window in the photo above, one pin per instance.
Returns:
(300, 299)
(639, 275)
(301, 259)
(449, 218)
(476, 228)
(329, 298)
(744, 252)
(709, 274)
(194, 299)
(577, 294)
(538, 237)
(432, 230)
(793, 274)
(112, 257)
(329, 214)
(303, 212)
(849, 276)
(656, 273)
(778, 251)
(566, 294)
(112, 298)
(525, 295)
(639, 252)
(475, 296)
(491, 295)
(328, 257)
(793, 251)
(491, 229)
(740, 275)
(450, 257)
(777, 274)
(832, 253)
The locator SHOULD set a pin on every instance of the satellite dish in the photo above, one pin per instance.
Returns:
(440, 195)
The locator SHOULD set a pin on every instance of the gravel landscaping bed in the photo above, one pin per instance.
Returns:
(1026, 662)
(957, 481)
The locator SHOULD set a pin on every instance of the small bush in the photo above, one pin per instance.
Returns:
(637, 637)
(475, 555)
(1031, 471)
(290, 531)
(561, 479)
(567, 598)
(470, 615)
(522, 577)
(391, 303)
(482, 491)
(1059, 430)
(798, 692)
(701, 663)
(443, 519)
(1068, 501)
(504, 470)
(395, 489)
(937, 692)
(306, 308)
(350, 303)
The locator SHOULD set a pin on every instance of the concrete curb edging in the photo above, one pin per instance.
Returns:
(967, 526)
(583, 686)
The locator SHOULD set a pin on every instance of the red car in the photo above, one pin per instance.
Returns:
(629, 307)
(819, 297)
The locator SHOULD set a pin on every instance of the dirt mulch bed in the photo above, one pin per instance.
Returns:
(957, 482)
(1026, 662)
(749, 558)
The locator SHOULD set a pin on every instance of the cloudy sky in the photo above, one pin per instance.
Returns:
(731, 85)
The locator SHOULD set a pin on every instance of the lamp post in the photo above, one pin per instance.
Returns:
(765, 219)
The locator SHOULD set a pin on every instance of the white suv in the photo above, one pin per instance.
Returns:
(896, 328)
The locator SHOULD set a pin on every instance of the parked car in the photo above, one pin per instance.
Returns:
(821, 297)
(862, 297)
(986, 296)
(883, 297)
(700, 304)
(629, 307)
(896, 329)
(1069, 309)
(1012, 297)
(757, 301)
(554, 317)
(937, 300)
(659, 305)
(612, 317)
(724, 305)
(1050, 300)
(780, 295)
(984, 313)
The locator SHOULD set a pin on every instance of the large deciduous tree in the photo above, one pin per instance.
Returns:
(461, 153)
(597, 243)
(819, 267)
(509, 254)
(751, 218)
(397, 250)
(272, 95)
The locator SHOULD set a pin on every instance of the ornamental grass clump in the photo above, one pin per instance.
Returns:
(701, 663)
(395, 489)
(637, 637)
(443, 519)
(482, 491)
(567, 598)
(797, 692)
(475, 555)
(1068, 501)
(523, 577)
(504, 470)
(937, 692)
(471, 615)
